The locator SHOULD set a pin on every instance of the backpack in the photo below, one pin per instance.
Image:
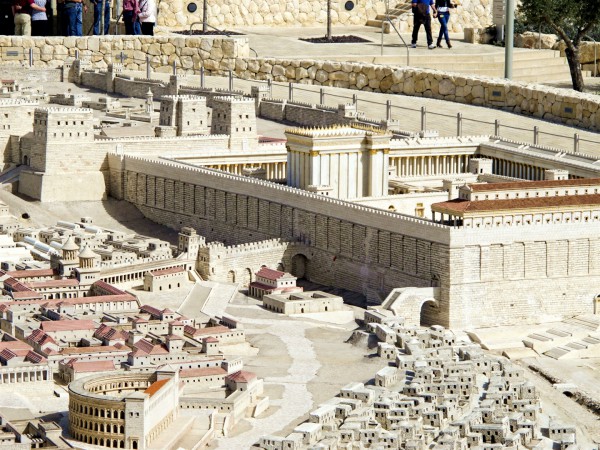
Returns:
(422, 9)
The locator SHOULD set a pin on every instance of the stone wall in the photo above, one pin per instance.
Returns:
(235, 13)
(553, 104)
(173, 14)
(214, 53)
(489, 276)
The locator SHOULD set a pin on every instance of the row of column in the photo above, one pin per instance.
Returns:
(25, 375)
(408, 166)
(518, 170)
(274, 170)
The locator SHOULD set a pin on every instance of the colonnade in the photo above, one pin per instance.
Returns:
(518, 170)
(408, 166)
(274, 170)
(26, 374)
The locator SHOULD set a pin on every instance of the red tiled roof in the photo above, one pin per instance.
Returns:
(208, 331)
(14, 345)
(67, 325)
(481, 187)
(269, 274)
(210, 339)
(41, 338)
(28, 295)
(148, 348)
(91, 366)
(461, 205)
(155, 312)
(31, 273)
(53, 283)
(155, 387)
(79, 300)
(108, 288)
(169, 271)
(92, 350)
(202, 372)
(34, 357)
(242, 376)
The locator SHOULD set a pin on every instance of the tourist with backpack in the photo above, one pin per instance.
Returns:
(422, 16)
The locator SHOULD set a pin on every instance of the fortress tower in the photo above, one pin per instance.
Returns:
(187, 113)
(64, 162)
(342, 162)
(235, 116)
(189, 242)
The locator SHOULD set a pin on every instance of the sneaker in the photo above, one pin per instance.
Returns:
(431, 47)
(413, 45)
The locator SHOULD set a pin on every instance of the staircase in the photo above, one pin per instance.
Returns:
(11, 175)
(393, 14)
(531, 66)
(577, 337)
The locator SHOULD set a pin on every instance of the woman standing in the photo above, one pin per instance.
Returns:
(148, 16)
(443, 15)
(39, 19)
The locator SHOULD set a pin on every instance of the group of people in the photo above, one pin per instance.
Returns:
(422, 16)
(139, 17)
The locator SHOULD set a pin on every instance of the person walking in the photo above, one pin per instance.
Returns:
(98, 17)
(443, 16)
(422, 16)
(148, 16)
(39, 19)
(131, 9)
(73, 10)
(21, 10)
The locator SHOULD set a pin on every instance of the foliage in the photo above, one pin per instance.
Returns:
(571, 20)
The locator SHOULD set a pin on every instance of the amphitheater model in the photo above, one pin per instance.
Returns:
(123, 409)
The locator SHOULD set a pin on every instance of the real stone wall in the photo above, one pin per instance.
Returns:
(553, 104)
(236, 13)
(214, 53)
(307, 13)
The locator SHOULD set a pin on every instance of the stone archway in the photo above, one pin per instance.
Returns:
(246, 277)
(299, 265)
(231, 276)
(418, 306)
(428, 313)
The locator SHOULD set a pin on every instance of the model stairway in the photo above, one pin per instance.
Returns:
(577, 337)
(393, 13)
(11, 175)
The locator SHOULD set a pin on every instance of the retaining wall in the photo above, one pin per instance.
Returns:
(553, 104)
(190, 53)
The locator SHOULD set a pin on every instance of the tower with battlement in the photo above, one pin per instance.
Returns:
(236, 117)
(341, 162)
(64, 162)
(186, 113)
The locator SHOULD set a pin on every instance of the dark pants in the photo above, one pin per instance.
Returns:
(39, 27)
(131, 26)
(148, 28)
(98, 17)
(443, 18)
(418, 21)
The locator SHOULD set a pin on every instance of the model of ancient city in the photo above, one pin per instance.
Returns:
(236, 242)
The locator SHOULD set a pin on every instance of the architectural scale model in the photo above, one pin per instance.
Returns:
(184, 266)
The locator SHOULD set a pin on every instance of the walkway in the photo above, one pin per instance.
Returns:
(441, 115)
(296, 400)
